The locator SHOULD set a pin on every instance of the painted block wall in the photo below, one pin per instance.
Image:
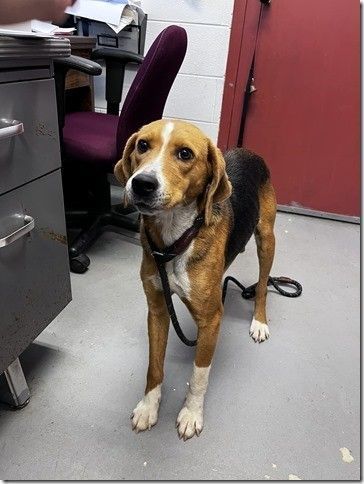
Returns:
(197, 91)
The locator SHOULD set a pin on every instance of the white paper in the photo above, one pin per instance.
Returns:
(129, 15)
(48, 28)
(19, 27)
(64, 31)
(21, 33)
(124, 22)
(44, 27)
(102, 10)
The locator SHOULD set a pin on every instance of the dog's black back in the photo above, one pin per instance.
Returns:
(247, 172)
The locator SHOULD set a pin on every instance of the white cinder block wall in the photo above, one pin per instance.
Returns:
(197, 91)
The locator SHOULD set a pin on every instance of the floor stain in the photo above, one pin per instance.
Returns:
(346, 455)
(293, 477)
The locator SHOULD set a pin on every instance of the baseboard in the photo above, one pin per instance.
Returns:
(318, 214)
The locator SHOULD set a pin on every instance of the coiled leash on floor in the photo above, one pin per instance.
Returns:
(276, 282)
(161, 257)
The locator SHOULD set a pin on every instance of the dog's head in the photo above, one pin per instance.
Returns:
(168, 164)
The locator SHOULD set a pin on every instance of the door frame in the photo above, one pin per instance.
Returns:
(243, 38)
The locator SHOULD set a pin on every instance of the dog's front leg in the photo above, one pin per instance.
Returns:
(145, 415)
(190, 418)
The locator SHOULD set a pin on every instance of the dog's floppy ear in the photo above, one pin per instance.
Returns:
(122, 169)
(219, 188)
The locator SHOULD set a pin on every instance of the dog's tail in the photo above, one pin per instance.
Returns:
(241, 163)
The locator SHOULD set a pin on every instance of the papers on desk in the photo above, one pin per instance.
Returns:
(117, 14)
(22, 29)
(21, 33)
(50, 29)
(103, 11)
(128, 16)
(34, 28)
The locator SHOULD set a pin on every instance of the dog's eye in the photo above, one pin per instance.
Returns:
(184, 154)
(142, 146)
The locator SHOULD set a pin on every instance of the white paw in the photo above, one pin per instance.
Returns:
(259, 331)
(145, 414)
(189, 422)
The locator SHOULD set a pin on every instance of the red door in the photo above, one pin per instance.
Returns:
(304, 117)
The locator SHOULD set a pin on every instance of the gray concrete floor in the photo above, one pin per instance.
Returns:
(283, 407)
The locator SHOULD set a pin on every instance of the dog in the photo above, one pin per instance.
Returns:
(173, 173)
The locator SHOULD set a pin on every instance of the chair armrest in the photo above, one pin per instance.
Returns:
(122, 56)
(115, 61)
(61, 67)
(79, 64)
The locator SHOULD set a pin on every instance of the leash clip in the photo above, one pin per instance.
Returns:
(162, 257)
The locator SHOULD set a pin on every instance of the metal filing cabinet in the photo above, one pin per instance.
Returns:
(34, 271)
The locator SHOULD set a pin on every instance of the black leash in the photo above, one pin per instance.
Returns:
(162, 257)
(168, 298)
(276, 282)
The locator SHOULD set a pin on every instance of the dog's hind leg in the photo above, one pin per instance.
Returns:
(264, 236)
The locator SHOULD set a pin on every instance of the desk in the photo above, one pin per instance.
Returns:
(79, 86)
(34, 270)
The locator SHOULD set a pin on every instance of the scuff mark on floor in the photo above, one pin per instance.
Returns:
(346, 455)
(293, 477)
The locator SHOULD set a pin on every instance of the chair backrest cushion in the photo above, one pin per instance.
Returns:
(148, 93)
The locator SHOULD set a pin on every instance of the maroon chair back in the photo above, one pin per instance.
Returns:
(148, 93)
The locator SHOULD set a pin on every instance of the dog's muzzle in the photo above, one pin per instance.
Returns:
(144, 186)
(145, 192)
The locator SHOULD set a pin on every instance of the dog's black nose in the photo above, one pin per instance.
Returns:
(144, 185)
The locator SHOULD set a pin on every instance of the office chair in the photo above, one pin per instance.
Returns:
(92, 143)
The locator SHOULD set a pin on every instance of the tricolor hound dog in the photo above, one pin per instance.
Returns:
(172, 173)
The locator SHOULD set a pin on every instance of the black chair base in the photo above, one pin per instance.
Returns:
(79, 264)
(93, 228)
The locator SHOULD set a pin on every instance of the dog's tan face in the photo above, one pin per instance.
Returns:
(169, 164)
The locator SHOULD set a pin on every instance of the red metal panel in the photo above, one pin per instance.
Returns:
(304, 118)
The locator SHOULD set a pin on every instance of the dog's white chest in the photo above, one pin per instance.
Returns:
(173, 225)
(178, 278)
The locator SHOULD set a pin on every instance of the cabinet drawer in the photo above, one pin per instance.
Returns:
(34, 269)
(27, 155)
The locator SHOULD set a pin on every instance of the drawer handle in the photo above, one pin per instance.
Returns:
(10, 127)
(9, 239)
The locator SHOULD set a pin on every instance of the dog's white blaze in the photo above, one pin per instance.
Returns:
(190, 418)
(156, 165)
(145, 414)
